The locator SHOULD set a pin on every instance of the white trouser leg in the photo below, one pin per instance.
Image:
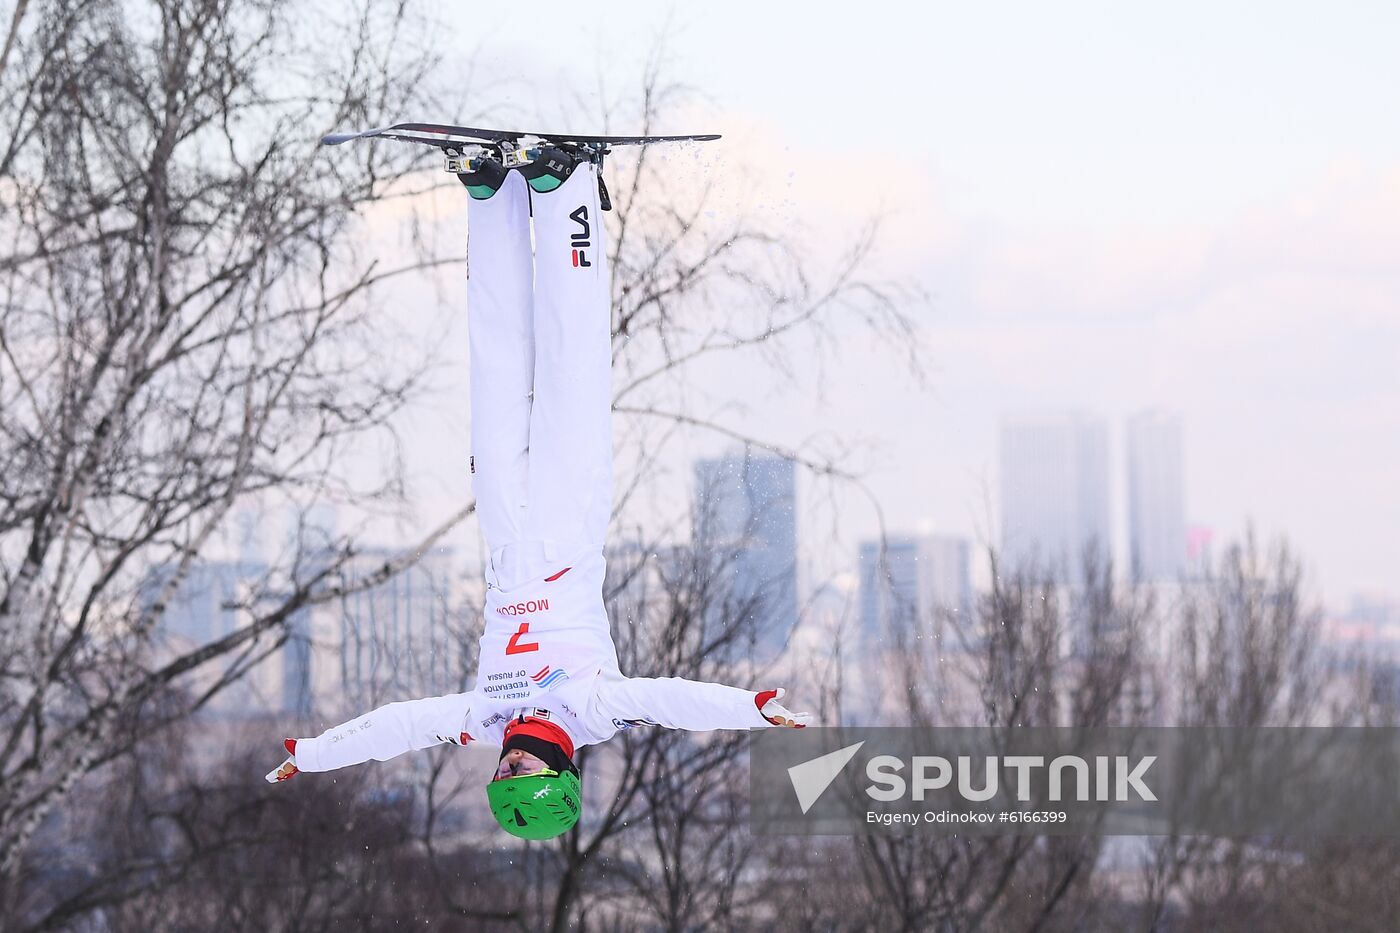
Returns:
(570, 489)
(499, 318)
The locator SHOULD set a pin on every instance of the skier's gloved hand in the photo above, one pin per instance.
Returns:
(778, 714)
(288, 769)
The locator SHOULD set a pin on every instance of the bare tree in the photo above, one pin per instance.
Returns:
(674, 842)
(1245, 654)
(183, 328)
(1033, 654)
(163, 841)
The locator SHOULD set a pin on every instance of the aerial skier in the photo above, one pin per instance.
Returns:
(547, 679)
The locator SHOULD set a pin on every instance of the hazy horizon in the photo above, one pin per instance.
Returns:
(1111, 210)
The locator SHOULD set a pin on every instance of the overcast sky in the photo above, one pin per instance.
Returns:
(1193, 207)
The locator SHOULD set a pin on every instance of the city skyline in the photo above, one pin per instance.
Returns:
(752, 505)
(394, 639)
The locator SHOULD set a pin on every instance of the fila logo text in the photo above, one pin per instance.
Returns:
(582, 239)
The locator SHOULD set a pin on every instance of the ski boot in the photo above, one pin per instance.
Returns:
(483, 177)
(550, 168)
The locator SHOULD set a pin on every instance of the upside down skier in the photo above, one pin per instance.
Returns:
(547, 679)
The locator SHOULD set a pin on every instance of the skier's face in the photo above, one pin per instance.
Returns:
(517, 763)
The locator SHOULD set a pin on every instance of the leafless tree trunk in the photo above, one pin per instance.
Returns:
(183, 328)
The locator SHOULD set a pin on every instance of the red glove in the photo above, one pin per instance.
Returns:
(775, 712)
(288, 769)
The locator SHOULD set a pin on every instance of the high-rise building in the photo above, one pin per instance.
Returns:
(745, 522)
(1157, 548)
(1054, 494)
(388, 641)
(207, 606)
(913, 583)
(649, 590)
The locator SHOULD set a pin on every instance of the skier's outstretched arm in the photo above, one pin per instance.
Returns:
(676, 703)
(385, 733)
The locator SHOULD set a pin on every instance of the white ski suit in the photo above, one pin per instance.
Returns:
(541, 357)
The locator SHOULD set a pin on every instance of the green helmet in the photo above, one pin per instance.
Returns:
(536, 806)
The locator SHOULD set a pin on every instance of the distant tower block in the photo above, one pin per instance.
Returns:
(1054, 493)
(912, 583)
(745, 523)
(1156, 497)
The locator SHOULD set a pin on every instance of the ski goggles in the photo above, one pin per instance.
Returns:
(546, 771)
(529, 767)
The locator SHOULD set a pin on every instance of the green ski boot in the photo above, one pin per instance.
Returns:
(483, 178)
(550, 169)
